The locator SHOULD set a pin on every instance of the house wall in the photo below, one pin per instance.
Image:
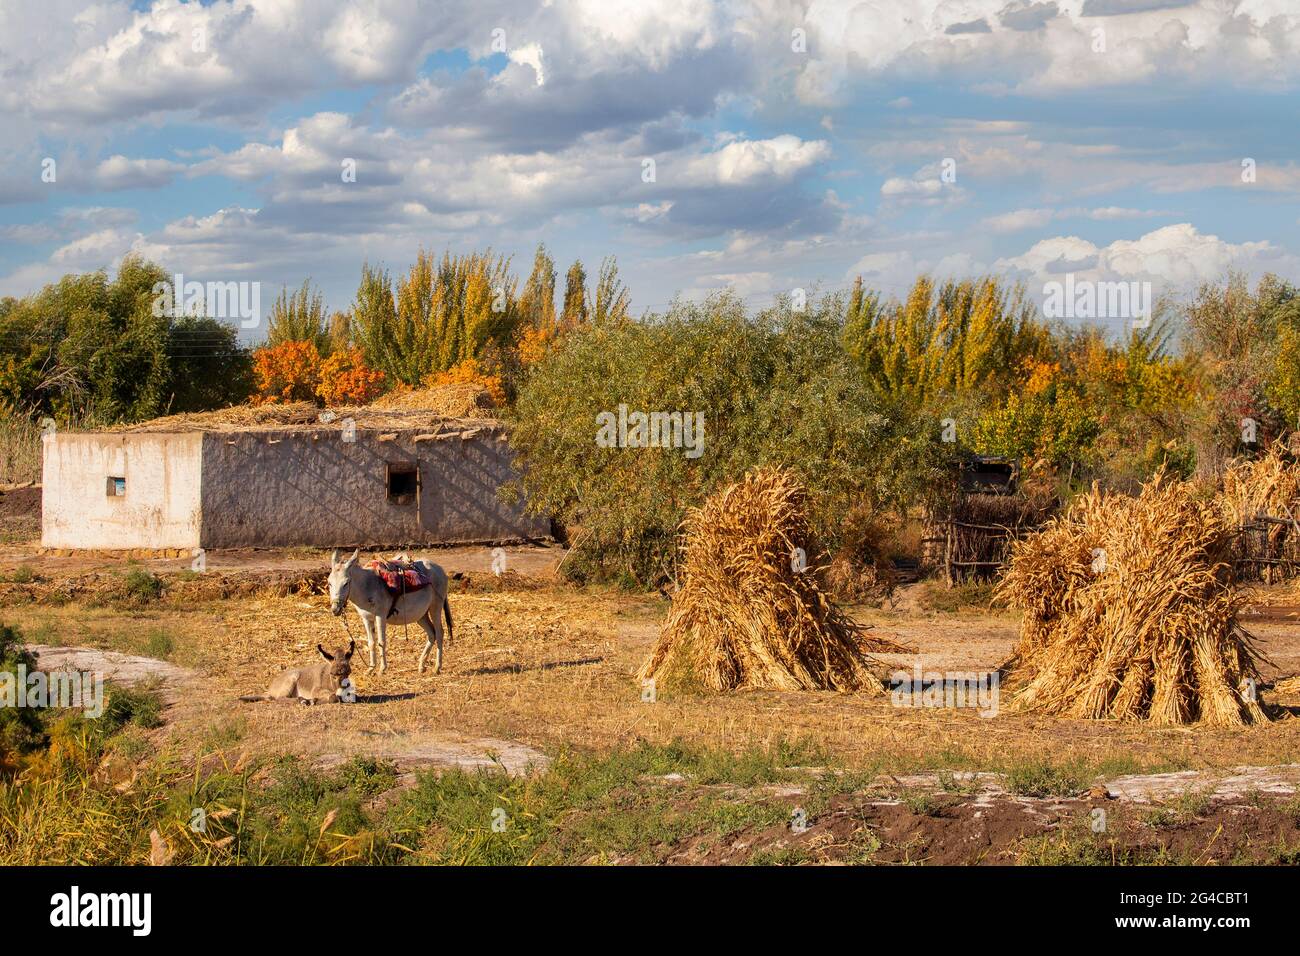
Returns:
(274, 489)
(163, 488)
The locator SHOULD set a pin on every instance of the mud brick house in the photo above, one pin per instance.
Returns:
(280, 476)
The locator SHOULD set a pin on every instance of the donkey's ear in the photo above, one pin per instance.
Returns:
(324, 653)
(352, 646)
(355, 554)
(334, 558)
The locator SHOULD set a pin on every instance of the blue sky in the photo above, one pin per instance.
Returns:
(795, 144)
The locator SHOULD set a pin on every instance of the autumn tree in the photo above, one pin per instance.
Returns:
(288, 372)
(299, 317)
(575, 296)
(959, 338)
(610, 300)
(443, 312)
(537, 303)
(345, 379)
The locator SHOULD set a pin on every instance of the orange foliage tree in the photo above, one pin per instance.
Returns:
(534, 343)
(345, 379)
(288, 372)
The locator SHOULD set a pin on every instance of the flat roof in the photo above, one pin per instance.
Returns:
(306, 417)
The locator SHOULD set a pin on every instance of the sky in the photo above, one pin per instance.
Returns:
(761, 146)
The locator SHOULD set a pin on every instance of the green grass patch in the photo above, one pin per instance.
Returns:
(1041, 778)
(935, 596)
(141, 585)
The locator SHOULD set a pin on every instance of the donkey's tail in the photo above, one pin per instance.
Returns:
(253, 698)
(446, 610)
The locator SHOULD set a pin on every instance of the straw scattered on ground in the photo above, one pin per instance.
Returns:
(1130, 613)
(749, 612)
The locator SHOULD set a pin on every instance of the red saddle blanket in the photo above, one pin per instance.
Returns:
(401, 578)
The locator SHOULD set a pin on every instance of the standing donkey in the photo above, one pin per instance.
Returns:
(349, 582)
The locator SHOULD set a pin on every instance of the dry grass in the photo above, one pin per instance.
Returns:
(20, 448)
(1288, 685)
(455, 400)
(554, 667)
(744, 616)
(136, 587)
(1130, 613)
(304, 416)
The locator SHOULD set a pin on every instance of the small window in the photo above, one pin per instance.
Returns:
(115, 487)
(403, 482)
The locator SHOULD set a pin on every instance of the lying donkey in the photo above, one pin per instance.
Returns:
(349, 582)
(328, 683)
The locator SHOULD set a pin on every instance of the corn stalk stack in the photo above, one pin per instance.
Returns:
(1130, 613)
(749, 612)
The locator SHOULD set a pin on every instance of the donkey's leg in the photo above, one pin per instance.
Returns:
(381, 624)
(366, 620)
(435, 616)
(431, 635)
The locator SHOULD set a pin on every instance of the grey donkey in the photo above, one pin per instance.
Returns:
(316, 683)
(349, 582)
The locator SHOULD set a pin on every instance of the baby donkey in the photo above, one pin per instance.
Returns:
(328, 683)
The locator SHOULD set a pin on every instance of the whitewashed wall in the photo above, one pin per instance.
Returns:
(163, 490)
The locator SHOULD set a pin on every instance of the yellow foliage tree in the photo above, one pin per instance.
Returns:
(973, 335)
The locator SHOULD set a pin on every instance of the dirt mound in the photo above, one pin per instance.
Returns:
(123, 668)
(20, 513)
(486, 581)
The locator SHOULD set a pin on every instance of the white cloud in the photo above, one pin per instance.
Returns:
(119, 172)
(745, 162)
(1019, 219)
(1042, 47)
(530, 55)
(1177, 257)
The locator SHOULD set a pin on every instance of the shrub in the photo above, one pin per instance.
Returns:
(21, 730)
(774, 389)
(142, 585)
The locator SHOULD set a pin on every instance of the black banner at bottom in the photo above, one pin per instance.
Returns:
(148, 905)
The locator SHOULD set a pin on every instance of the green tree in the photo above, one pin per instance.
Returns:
(209, 367)
(1243, 341)
(943, 342)
(93, 351)
(299, 317)
(772, 389)
(537, 302)
(609, 302)
(575, 296)
(443, 313)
